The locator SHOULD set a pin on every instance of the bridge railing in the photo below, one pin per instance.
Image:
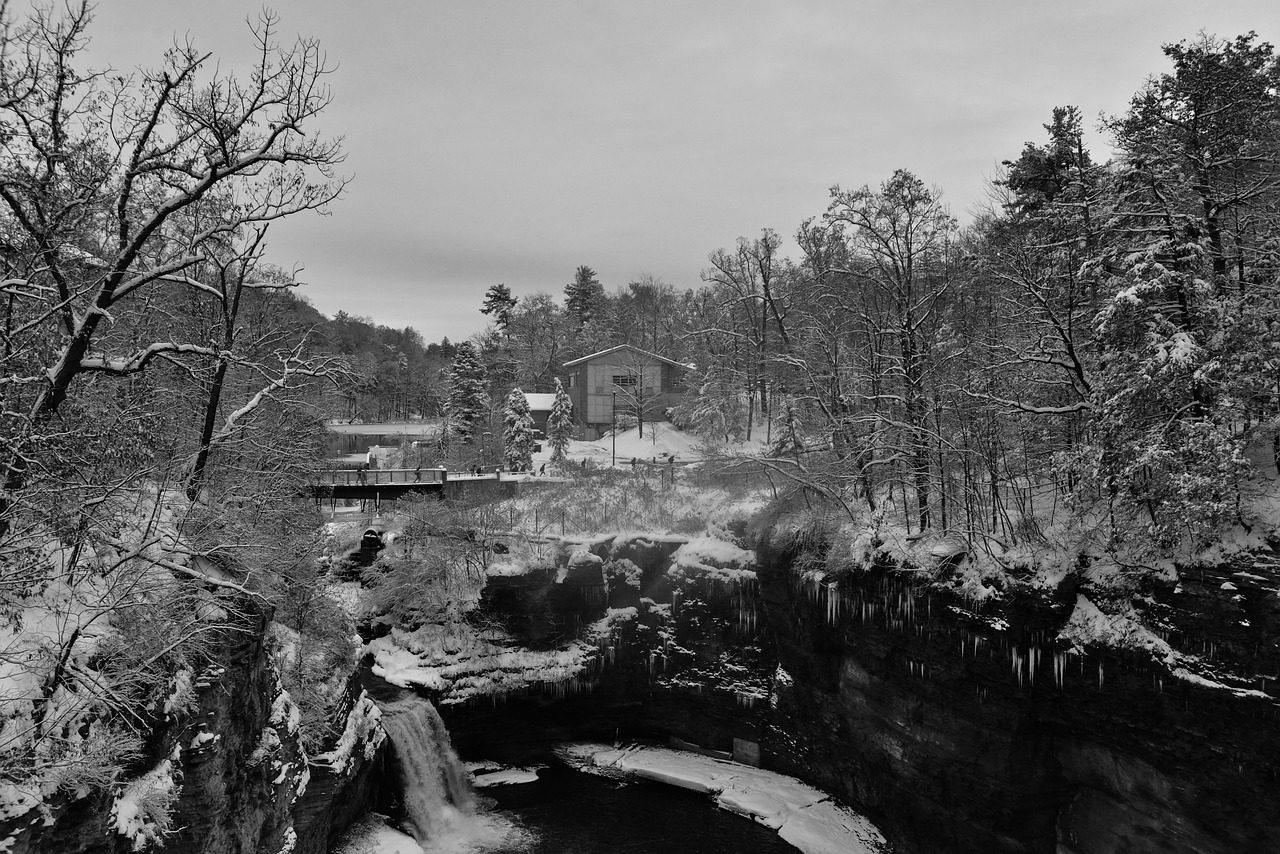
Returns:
(377, 477)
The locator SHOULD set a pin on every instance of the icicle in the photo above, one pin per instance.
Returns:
(1100, 674)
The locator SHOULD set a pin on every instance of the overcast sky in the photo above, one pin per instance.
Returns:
(512, 141)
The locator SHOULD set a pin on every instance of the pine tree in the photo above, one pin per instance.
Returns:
(499, 302)
(584, 296)
(517, 433)
(560, 423)
(468, 401)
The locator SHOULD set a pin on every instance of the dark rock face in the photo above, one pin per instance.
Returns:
(241, 770)
(338, 795)
(953, 736)
(954, 731)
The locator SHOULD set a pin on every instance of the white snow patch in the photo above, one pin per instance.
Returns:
(1089, 625)
(363, 726)
(466, 665)
(486, 774)
(714, 558)
(284, 712)
(1187, 676)
(141, 811)
(202, 738)
(507, 570)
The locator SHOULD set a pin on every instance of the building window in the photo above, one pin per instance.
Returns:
(624, 380)
(573, 380)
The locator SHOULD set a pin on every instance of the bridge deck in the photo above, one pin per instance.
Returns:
(379, 477)
(377, 484)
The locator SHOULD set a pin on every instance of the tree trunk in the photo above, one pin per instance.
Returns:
(196, 480)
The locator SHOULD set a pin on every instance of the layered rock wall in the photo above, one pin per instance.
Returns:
(235, 759)
(964, 731)
(954, 728)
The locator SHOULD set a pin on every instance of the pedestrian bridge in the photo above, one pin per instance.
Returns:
(377, 484)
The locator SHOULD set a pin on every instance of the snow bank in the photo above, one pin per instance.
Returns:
(805, 817)
(507, 569)
(142, 810)
(1196, 679)
(486, 774)
(362, 727)
(716, 559)
(461, 666)
(1089, 625)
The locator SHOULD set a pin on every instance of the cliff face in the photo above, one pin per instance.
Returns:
(959, 731)
(245, 783)
(954, 730)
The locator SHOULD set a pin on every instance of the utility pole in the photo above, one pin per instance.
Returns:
(613, 416)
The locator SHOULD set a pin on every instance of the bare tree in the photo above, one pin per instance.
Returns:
(746, 282)
(901, 240)
(112, 184)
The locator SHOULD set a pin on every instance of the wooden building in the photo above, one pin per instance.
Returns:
(623, 378)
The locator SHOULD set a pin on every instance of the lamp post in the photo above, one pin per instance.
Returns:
(613, 416)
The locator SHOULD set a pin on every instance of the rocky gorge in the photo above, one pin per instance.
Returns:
(1035, 722)
(1051, 718)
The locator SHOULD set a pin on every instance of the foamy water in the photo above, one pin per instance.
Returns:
(439, 803)
(479, 834)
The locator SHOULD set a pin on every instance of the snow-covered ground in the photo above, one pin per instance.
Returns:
(463, 663)
(378, 428)
(659, 442)
(803, 816)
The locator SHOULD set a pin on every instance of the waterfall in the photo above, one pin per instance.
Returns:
(438, 799)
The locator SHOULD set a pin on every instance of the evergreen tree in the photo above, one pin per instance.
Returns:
(468, 401)
(499, 302)
(584, 296)
(560, 423)
(517, 432)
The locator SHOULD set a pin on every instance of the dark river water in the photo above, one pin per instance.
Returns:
(569, 812)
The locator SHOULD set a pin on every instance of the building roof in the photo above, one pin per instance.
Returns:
(540, 401)
(637, 350)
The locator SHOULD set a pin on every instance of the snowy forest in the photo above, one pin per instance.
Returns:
(1091, 364)
(1099, 343)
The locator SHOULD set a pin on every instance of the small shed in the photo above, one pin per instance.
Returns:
(540, 406)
